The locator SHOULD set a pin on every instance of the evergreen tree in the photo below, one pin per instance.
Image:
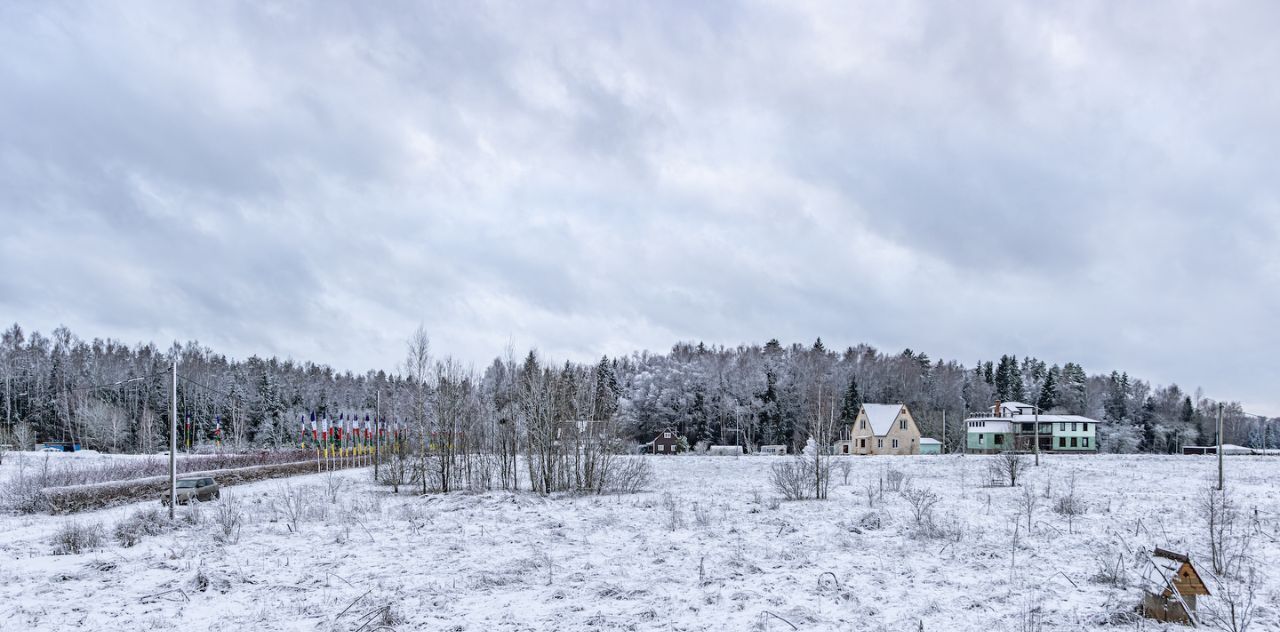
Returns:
(1016, 392)
(770, 420)
(1071, 392)
(1146, 418)
(1003, 377)
(606, 395)
(1116, 406)
(851, 403)
(1009, 379)
(1049, 390)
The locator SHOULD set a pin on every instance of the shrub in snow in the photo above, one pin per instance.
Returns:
(627, 476)
(144, 522)
(292, 505)
(793, 478)
(73, 538)
(894, 479)
(229, 518)
(922, 502)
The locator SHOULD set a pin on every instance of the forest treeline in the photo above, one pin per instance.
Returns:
(115, 397)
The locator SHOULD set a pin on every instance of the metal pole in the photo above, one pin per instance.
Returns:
(944, 431)
(173, 442)
(1037, 418)
(1219, 447)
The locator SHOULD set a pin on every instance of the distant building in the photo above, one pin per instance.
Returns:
(773, 450)
(667, 442)
(1011, 426)
(880, 429)
(725, 450)
(930, 446)
(1228, 449)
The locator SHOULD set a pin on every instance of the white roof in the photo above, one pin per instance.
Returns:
(881, 416)
(927, 440)
(1004, 405)
(1052, 418)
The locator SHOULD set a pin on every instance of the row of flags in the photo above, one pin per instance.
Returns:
(193, 433)
(348, 434)
(343, 435)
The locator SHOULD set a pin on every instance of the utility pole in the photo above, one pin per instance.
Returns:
(944, 431)
(1219, 446)
(173, 442)
(1037, 418)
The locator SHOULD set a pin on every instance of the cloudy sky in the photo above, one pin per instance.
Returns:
(1089, 182)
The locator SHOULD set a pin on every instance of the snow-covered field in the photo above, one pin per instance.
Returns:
(708, 548)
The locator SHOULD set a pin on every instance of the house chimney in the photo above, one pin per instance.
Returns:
(997, 408)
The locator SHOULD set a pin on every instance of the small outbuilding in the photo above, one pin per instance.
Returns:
(725, 450)
(930, 446)
(773, 450)
(1171, 585)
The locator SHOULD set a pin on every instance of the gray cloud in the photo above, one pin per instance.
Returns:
(1088, 182)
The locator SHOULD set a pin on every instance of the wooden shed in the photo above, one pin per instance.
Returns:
(1171, 586)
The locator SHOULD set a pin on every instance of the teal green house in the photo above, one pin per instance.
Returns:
(1015, 426)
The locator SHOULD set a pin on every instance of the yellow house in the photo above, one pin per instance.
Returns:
(880, 429)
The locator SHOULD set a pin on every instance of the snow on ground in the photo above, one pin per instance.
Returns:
(708, 548)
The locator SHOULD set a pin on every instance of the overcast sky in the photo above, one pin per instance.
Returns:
(1089, 182)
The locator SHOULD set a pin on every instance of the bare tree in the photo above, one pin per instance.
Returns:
(417, 368)
(102, 424)
(1069, 505)
(1007, 466)
(823, 424)
(1233, 608)
(1219, 513)
(1027, 504)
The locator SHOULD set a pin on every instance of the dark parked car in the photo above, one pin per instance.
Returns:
(202, 489)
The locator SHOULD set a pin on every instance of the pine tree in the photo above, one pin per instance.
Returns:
(1049, 390)
(606, 395)
(1016, 391)
(1071, 392)
(1147, 418)
(1009, 379)
(852, 402)
(770, 421)
(1003, 373)
(1116, 406)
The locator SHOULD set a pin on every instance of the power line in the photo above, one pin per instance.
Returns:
(114, 384)
(209, 388)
